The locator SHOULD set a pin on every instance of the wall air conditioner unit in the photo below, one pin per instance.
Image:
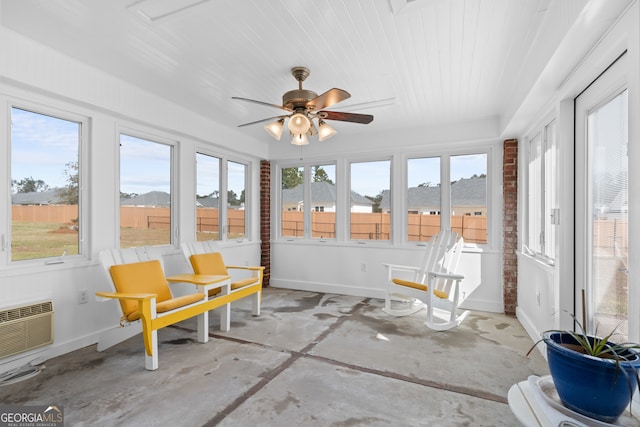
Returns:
(25, 328)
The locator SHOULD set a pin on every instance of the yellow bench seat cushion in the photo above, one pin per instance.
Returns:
(146, 277)
(235, 285)
(420, 286)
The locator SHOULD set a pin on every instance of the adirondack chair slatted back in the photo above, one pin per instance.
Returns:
(435, 258)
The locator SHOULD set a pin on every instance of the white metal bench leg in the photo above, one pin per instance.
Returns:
(203, 327)
(255, 303)
(151, 362)
(225, 318)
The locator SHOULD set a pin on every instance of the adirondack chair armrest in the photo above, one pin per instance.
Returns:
(444, 275)
(397, 267)
(103, 296)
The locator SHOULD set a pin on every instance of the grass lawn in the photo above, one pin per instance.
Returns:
(31, 240)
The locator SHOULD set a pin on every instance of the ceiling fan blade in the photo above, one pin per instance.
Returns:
(260, 121)
(261, 103)
(330, 97)
(346, 117)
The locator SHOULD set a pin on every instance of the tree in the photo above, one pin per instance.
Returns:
(320, 175)
(376, 202)
(29, 185)
(292, 177)
(232, 198)
(69, 194)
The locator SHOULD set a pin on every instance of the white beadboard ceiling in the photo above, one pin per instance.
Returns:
(410, 63)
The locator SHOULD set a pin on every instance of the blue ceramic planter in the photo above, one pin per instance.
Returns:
(594, 387)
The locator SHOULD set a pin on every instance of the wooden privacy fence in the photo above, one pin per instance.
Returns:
(142, 217)
(376, 226)
(59, 214)
(610, 235)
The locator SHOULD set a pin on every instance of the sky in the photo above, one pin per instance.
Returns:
(42, 146)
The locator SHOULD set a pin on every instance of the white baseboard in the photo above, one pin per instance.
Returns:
(335, 288)
(328, 288)
(529, 327)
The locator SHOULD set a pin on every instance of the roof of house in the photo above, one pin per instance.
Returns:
(207, 202)
(47, 197)
(152, 198)
(464, 192)
(321, 192)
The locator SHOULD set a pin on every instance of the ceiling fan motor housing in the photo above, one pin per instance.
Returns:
(298, 98)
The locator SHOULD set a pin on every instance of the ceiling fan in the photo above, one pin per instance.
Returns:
(303, 107)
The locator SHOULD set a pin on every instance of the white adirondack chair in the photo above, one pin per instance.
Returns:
(433, 285)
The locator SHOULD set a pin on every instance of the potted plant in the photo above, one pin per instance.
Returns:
(593, 376)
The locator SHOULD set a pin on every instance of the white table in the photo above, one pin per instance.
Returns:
(532, 410)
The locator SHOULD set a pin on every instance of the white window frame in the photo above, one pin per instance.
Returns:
(83, 176)
(224, 184)
(151, 136)
(542, 245)
(347, 201)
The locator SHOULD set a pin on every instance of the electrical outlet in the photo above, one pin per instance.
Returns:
(83, 296)
(363, 267)
(538, 297)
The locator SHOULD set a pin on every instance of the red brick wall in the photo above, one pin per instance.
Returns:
(265, 219)
(510, 225)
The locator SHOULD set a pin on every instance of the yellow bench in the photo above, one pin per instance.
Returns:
(145, 297)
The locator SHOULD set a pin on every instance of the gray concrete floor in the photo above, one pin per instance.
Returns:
(309, 359)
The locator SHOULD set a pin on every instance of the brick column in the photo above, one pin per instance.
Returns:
(510, 225)
(265, 219)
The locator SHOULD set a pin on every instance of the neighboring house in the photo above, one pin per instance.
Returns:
(323, 199)
(159, 199)
(38, 198)
(468, 197)
(207, 202)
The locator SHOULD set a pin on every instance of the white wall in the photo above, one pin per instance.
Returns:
(599, 36)
(336, 265)
(45, 78)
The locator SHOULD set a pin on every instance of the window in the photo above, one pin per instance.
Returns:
(236, 183)
(45, 183)
(370, 219)
(469, 197)
(539, 238)
(323, 201)
(423, 198)
(145, 192)
(292, 194)
(207, 197)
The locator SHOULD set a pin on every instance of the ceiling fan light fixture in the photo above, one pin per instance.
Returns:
(325, 131)
(299, 123)
(275, 129)
(300, 139)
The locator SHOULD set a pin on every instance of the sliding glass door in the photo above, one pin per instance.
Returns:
(602, 207)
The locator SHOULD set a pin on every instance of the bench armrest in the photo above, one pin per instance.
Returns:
(240, 267)
(197, 279)
(119, 295)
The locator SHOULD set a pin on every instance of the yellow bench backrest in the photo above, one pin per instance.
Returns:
(209, 264)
